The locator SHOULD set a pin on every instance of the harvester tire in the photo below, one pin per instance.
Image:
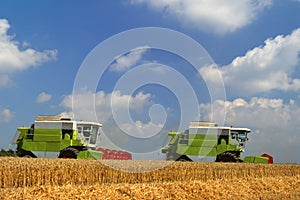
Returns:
(227, 157)
(183, 159)
(69, 153)
(25, 154)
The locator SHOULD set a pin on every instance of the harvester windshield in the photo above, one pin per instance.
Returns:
(89, 133)
(240, 136)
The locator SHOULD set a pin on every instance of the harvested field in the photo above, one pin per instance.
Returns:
(22, 178)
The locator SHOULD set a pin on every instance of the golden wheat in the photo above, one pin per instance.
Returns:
(25, 178)
(248, 188)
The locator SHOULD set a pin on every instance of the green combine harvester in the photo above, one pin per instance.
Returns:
(58, 137)
(205, 141)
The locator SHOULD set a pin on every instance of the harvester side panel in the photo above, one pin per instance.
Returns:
(53, 146)
(34, 146)
(202, 143)
(47, 135)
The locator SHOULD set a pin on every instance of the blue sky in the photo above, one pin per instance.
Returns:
(254, 46)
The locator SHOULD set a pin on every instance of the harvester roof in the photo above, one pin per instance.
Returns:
(41, 119)
(212, 125)
(52, 118)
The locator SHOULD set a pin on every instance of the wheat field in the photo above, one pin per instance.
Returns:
(25, 178)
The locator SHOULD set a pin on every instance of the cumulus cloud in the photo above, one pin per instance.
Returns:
(15, 57)
(6, 115)
(142, 130)
(159, 69)
(43, 97)
(218, 16)
(256, 113)
(114, 111)
(264, 68)
(274, 124)
(103, 103)
(125, 62)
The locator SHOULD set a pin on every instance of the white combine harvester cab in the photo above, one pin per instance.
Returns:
(89, 133)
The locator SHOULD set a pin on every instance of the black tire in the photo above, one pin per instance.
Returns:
(69, 153)
(227, 157)
(25, 154)
(183, 159)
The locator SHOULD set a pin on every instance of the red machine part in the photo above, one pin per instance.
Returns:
(109, 154)
(268, 156)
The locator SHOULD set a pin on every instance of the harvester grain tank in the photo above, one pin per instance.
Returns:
(206, 141)
(57, 136)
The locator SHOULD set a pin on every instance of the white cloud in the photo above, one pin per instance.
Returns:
(219, 16)
(43, 97)
(125, 62)
(103, 103)
(274, 124)
(159, 69)
(6, 115)
(263, 68)
(258, 112)
(142, 130)
(13, 58)
(113, 110)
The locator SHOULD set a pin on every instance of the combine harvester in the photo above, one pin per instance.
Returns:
(59, 137)
(205, 141)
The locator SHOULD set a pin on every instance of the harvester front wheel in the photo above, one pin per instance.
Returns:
(184, 159)
(69, 153)
(227, 157)
(25, 154)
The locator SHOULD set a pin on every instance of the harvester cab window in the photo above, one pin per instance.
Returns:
(80, 132)
(88, 133)
(67, 129)
(223, 135)
(234, 135)
(240, 136)
(243, 136)
(94, 134)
